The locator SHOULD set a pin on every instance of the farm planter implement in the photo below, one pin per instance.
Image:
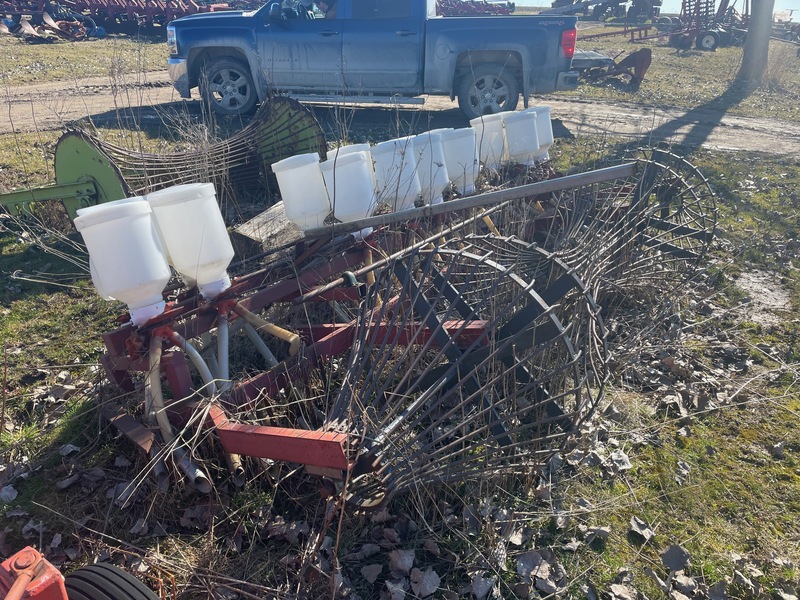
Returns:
(462, 354)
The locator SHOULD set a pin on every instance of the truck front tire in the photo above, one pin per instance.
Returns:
(487, 89)
(227, 87)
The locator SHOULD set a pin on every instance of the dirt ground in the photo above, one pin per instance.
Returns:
(151, 97)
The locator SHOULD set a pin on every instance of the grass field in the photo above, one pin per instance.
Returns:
(65, 61)
(697, 78)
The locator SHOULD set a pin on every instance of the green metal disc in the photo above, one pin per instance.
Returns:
(79, 160)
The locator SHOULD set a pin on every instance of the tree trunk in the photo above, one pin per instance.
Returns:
(756, 46)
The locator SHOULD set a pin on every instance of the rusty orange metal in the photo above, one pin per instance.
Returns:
(27, 574)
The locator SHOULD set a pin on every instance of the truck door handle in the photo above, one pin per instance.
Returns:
(405, 32)
(329, 32)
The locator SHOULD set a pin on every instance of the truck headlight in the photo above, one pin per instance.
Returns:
(172, 43)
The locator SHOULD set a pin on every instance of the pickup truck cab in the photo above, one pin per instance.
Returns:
(372, 51)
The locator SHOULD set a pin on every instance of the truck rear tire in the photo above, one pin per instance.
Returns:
(105, 582)
(227, 87)
(487, 89)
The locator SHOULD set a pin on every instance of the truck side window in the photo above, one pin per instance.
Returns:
(363, 9)
(381, 9)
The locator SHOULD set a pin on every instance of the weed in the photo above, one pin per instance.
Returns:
(779, 74)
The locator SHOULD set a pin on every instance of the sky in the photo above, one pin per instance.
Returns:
(674, 6)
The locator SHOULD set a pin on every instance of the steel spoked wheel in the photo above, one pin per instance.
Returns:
(661, 223)
(105, 582)
(681, 210)
(488, 89)
(638, 232)
(463, 370)
(228, 87)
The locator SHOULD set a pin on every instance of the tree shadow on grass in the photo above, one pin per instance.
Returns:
(702, 120)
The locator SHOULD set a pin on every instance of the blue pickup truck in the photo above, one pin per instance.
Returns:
(371, 51)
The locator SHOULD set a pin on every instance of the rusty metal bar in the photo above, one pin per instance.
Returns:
(641, 31)
(323, 449)
(480, 200)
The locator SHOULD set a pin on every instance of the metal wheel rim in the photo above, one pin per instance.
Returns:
(707, 42)
(684, 198)
(226, 89)
(488, 94)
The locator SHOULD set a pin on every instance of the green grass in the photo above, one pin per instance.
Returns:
(26, 159)
(46, 325)
(737, 499)
(112, 56)
(695, 78)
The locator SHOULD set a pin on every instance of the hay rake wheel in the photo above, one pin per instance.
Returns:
(449, 406)
(467, 356)
(644, 231)
(280, 128)
(678, 208)
(91, 171)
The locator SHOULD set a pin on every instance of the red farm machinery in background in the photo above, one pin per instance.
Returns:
(114, 15)
(129, 15)
(702, 23)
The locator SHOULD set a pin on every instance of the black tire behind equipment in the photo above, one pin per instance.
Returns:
(105, 582)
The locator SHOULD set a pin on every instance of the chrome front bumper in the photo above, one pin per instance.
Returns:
(179, 73)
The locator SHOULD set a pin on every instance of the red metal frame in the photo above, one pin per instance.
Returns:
(323, 451)
(28, 574)
(135, 11)
(637, 33)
